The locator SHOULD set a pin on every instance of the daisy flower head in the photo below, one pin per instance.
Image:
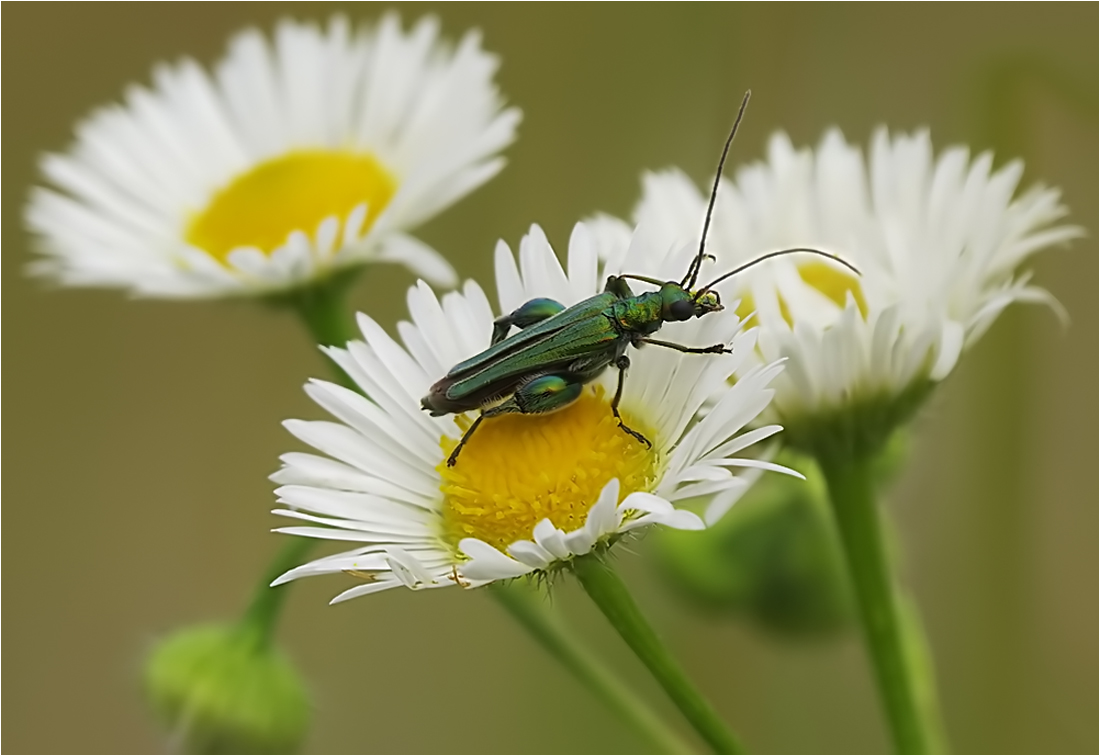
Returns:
(295, 157)
(937, 240)
(529, 492)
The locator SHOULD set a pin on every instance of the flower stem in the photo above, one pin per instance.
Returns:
(890, 626)
(526, 608)
(610, 594)
(262, 614)
(321, 308)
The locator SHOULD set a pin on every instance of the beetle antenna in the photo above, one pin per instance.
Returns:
(693, 270)
(770, 255)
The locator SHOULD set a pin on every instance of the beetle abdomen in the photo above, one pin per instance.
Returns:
(440, 401)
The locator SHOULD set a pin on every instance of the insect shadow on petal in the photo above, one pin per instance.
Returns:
(544, 366)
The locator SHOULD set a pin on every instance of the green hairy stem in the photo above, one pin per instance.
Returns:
(610, 594)
(526, 607)
(892, 632)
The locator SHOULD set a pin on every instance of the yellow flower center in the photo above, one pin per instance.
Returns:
(295, 191)
(518, 470)
(834, 284)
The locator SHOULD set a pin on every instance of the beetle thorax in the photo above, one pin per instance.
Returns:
(640, 314)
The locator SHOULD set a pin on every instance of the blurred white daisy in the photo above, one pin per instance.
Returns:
(296, 157)
(937, 240)
(527, 492)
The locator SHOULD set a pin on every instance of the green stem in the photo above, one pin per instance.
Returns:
(262, 614)
(324, 315)
(322, 310)
(527, 609)
(610, 594)
(895, 644)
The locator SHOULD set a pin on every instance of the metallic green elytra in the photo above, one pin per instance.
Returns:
(558, 349)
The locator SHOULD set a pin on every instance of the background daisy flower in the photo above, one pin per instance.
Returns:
(528, 492)
(937, 240)
(312, 152)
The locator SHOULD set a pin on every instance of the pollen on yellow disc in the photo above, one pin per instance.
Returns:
(517, 470)
(295, 191)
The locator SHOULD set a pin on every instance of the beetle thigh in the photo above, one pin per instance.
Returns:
(542, 394)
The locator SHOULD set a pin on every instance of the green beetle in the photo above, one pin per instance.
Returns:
(559, 349)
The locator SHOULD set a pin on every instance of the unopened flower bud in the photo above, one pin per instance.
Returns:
(222, 689)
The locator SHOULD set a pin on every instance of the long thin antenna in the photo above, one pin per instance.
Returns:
(697, 263)
(770, 255)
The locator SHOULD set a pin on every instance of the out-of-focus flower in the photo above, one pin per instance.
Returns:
(528, 492)
(294, 158)
(938, 242)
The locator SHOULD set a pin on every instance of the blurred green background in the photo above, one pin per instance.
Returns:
(141, 432)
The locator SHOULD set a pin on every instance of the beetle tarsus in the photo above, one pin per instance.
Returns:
(633, 433)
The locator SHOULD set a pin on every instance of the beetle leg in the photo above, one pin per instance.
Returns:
(622, 363)
(713, 349)
(542, 394)
(527, 314)
(462, 441)
(618, 286)
(545, 393)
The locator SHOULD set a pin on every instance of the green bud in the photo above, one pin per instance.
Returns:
(223, 689)
(773, 558)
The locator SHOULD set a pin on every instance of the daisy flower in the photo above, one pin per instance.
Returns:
(528, 492)
(937, 240)
(295, 157)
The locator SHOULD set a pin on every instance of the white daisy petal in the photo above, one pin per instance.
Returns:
(418, 257)
(486, 563)
(366, 589)
(338, 534)
(579, 542)
(405, 527)
(531, 554)
(415, 573)
(602, 517)
(583, 262)
(509, 284)
(551, 539)
(349, 561)
(657, 510)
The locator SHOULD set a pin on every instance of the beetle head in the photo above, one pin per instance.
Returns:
(678, 304)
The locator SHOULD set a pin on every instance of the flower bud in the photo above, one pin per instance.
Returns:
(224, 689)
(773, 559)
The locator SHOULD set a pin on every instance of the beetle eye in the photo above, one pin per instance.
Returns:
(681, 309)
